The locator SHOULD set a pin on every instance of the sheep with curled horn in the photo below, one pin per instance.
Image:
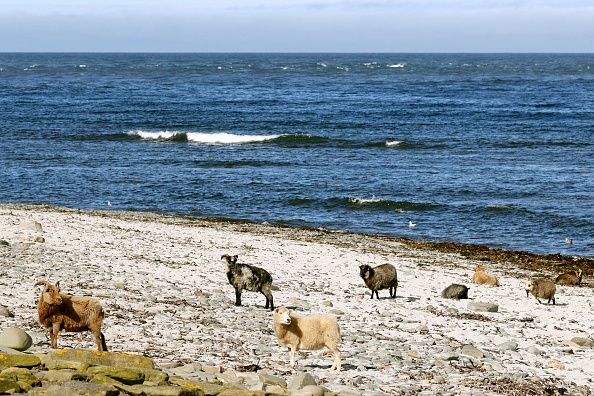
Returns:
(248, 277)
(59, 312)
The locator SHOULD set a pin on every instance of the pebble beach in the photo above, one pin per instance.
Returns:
(166, 296)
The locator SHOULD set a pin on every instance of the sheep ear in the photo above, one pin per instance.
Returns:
(58, 284)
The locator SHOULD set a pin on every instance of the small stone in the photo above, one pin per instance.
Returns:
(583, 341)
(472, 351)
(273, 380)
(310, 390)
(556, 364)
(31, 226)
(39, 239)
(482, 306)
(302, 380)
(5, 312)
(212, 369)
(508, 346)
(327, 303)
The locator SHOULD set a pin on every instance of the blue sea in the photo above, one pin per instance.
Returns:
(489, 149)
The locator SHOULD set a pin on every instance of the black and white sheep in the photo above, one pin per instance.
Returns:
(248, 277)
(379, 278)
(59, 312)
(541, 288)
(308, 333)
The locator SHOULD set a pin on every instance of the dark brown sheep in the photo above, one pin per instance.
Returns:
(572, 278)
(379, 278)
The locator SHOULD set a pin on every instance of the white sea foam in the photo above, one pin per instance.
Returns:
(363, 201)
(154, 135)
(394, 142)
(209, 138)
(227, 138)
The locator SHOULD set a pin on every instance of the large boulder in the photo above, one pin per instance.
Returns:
(16, 338)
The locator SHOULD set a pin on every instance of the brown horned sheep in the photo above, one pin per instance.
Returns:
(379, 278)
(481, 278)
(59, 311)
(248, 277)
(541, 288)
(307, 332)
(572, 278)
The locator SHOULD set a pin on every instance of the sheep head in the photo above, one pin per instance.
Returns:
(229, 260)
(283, 315)
(51, 293)
(365, 271)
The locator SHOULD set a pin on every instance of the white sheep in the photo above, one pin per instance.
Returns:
(307, 332)
(59, 311)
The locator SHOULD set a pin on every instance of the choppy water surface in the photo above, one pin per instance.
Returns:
(486, 149)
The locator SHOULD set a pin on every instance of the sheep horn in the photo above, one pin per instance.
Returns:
(41, 282)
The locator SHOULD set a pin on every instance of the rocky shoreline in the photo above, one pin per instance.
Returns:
(166, 297)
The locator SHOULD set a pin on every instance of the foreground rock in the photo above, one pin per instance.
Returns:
(75, 372)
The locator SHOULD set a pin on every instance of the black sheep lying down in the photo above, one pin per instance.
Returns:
(248, 277)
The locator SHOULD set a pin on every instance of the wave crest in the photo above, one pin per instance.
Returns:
(206, 138)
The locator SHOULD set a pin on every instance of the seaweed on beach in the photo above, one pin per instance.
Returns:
(540, 387)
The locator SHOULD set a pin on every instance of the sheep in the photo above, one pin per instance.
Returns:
(569, 278)
(541, 288)
(59, 311)
(307, 332)
(247, 277)
(455, 292)
(481, 278)
(379, 278)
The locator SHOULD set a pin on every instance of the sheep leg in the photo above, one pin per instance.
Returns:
(54, 330)
(237, 296)
(376, 294)
(336, 366)
(292, 356)
(99, 339)
(268, 295)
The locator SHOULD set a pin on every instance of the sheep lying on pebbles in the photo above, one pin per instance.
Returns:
(59, 311)
(379, 278)
(572, 278)
(481, 278)
(541, 288)
(307, 332)
(455, 291)
(247, 277)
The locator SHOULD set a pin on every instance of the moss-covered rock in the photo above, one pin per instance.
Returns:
(208, 388)
(18, 360)
(8, 386)
(96, 358)
(20, 374)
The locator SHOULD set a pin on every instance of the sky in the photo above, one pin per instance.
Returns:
(297, 26)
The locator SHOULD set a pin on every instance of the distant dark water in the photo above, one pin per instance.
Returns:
(485, 149)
